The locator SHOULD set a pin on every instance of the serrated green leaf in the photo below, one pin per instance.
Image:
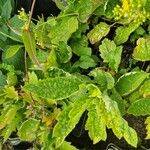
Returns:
(80, 46)
(111, 53)
(68, 118)
(145, 89)
(44, 28)
(118, 125)
(8, 68)
(52, 59)
(140, 107)
(100, 31)
(64, 52)
(85, 62)
(103, 79)
(56, 88)
(11, 93)
(130, 134)
(113, 117)
(129, 82)
(12, 50)
(96, 121)
(123, 33)
(142, 50)
(11, 127)
(28, 129)
(63, 30)
(33, 79)
(7, 115)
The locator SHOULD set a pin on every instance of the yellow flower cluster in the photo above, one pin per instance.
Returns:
(131, 11)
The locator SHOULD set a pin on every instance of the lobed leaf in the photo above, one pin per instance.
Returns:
(44, 27)
(118, 125)
(11, 93)
(96, 124)
(111, 53)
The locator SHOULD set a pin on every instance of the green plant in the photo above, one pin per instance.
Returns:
(63, 76)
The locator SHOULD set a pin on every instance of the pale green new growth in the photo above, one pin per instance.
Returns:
(111, 53)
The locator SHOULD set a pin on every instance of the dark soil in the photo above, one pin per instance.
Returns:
(84, 143)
